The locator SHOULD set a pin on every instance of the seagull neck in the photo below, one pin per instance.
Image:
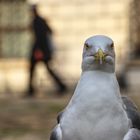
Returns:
(97, 72)
(103, 68)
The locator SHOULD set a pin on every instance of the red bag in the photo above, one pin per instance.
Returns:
(38, 55)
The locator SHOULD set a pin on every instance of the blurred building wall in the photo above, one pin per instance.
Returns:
(135, 28)
(14, 28)
(72, 21)
(15, 41)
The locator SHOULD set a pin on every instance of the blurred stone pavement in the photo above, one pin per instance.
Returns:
(29, 119)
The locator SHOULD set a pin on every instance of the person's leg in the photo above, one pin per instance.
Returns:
(31, 73)
(61, 86)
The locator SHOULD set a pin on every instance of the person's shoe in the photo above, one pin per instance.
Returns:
(62, 90)
(28, 96)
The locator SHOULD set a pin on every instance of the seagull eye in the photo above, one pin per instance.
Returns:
(112, 45)
(87, 47)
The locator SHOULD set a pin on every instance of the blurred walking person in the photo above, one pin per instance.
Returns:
(42, 50)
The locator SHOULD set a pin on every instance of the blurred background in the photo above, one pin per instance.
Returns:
(72, 22)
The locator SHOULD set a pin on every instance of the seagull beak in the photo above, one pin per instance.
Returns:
(100, 56)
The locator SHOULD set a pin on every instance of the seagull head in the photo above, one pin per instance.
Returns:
(98, 54)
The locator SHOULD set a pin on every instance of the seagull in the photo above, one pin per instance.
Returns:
(96, 110)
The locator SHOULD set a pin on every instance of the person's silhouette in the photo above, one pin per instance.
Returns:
(42, 50)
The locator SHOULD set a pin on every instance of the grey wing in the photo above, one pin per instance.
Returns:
(133, 134)
(132, 112)
(56, 133)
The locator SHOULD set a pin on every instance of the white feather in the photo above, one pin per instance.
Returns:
(95, 111)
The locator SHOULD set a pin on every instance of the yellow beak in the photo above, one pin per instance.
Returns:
(100, 56)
